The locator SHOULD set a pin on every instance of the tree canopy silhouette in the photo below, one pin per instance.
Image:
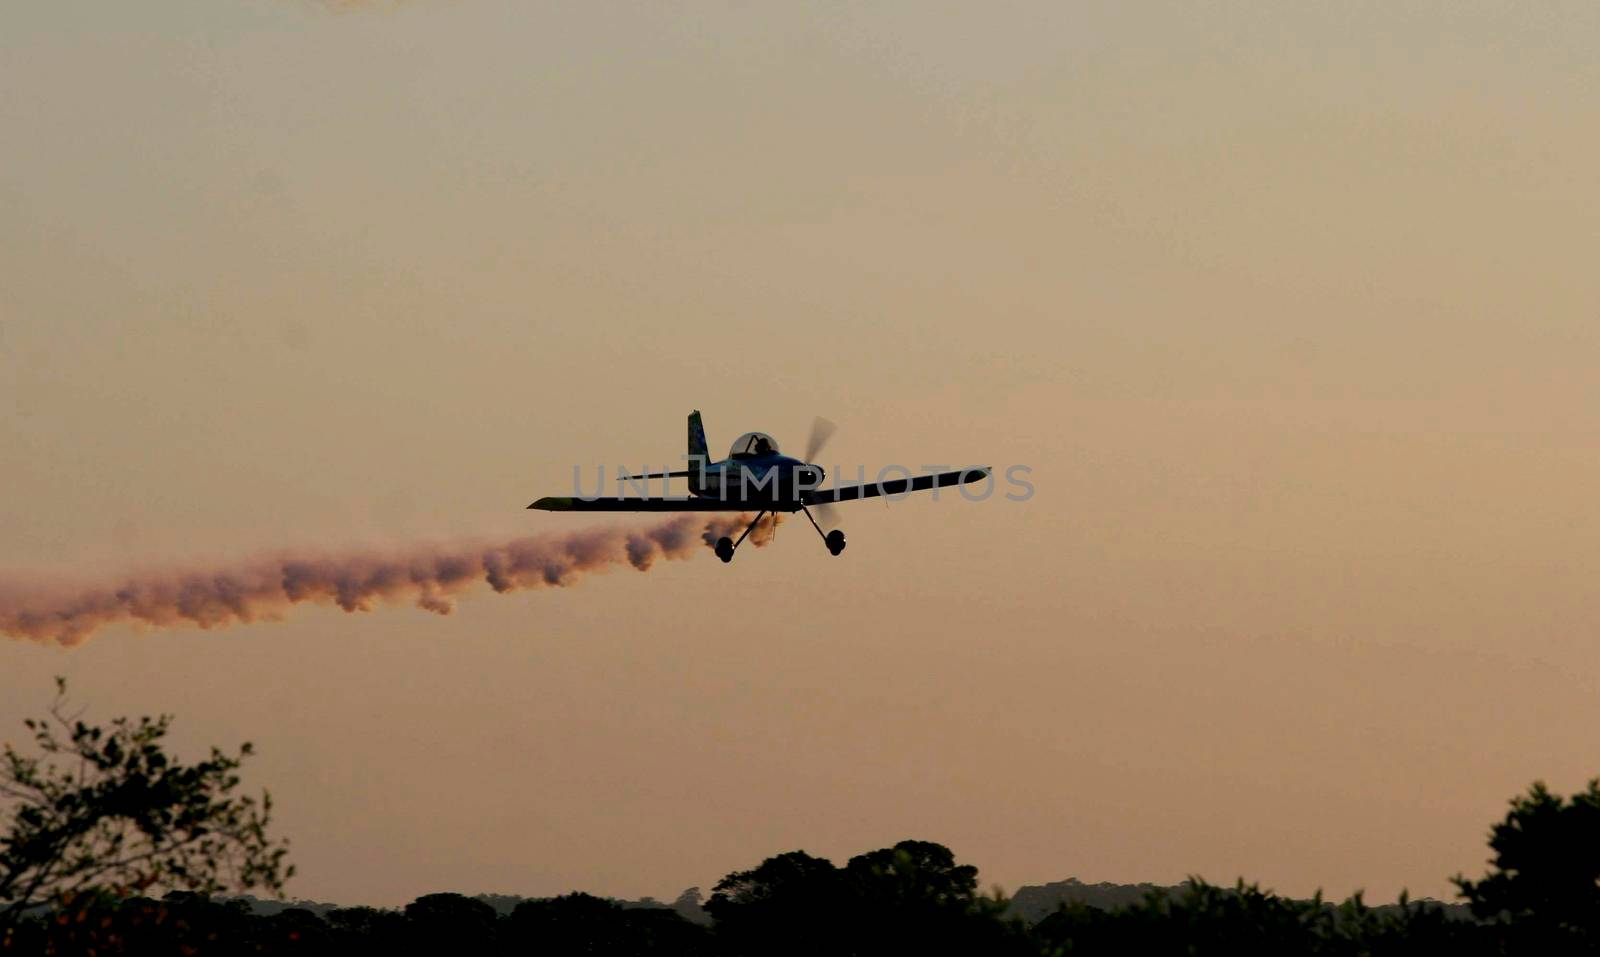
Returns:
(105, 811)
(1545, 879)
(96, 816)
(910, 898)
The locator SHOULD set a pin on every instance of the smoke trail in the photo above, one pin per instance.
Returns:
(430, 576)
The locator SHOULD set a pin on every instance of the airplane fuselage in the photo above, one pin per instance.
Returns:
(769, 479)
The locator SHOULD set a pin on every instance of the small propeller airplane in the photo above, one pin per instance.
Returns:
(755, 475)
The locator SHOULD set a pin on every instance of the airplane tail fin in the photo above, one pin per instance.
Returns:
(697, 437)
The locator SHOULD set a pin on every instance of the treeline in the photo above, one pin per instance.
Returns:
(913, 898)
(96, 817)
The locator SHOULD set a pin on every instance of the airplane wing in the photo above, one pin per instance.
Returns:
(563, 504)
(920, 483)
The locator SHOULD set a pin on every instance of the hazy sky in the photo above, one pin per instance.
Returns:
(1291, 308)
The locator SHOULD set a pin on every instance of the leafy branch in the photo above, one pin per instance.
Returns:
(105, 811)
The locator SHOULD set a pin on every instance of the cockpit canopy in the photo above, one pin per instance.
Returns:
(752, 444)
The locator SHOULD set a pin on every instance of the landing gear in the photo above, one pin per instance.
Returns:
(834, 539)
(726, 545)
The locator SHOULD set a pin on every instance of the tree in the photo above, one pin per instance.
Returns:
(1545, 881)
(362, 921)
(584, 924)
(915, 898)
(913, 874)
(451, 923)
(787, 905)
(912, 898)
(104, 811)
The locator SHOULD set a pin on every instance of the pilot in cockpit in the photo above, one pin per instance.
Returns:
(753, 444)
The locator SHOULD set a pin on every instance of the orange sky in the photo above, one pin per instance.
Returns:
(1291, 311)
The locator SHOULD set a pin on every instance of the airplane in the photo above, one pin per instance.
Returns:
(756, 475)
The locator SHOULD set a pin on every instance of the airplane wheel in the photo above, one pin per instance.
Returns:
(835, 541)
(725, 549)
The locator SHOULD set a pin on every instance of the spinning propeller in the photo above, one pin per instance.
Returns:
(821, 431)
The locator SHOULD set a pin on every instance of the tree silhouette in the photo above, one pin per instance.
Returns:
(576, 924)
(913, 874)
(101, 814)
(451, 923)
(783, 906)
(368, 930)
(1545, 881)
(910, 898)
(1201, 919)
(105, 812)
(915, 898)
(572, 924)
